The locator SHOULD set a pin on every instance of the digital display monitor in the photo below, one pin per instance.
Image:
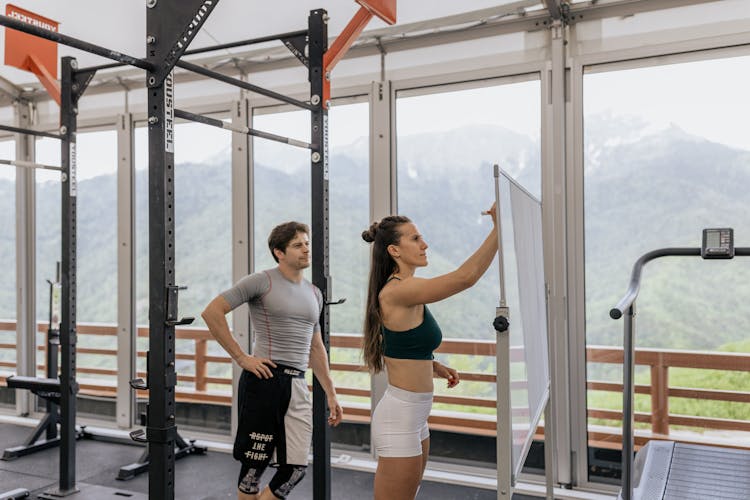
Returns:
(718, 243)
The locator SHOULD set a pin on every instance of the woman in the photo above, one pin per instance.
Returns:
(400, 335)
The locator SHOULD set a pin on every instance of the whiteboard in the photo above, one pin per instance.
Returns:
(523, 290)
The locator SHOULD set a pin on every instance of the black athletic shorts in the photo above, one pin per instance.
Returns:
(275, 419)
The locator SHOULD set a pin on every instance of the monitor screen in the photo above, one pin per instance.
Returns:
(713, 239)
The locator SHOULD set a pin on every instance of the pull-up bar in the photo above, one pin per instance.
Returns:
(213, 48)
(29, 164)
(243, 85)
(242, 43)
(15, 24)
(241, 129)
(38, 133)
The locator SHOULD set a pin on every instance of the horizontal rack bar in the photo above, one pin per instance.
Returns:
(186, 115)
(29, 164)
(15, 24)
(38, 133)
(251, 41)
(243, 85)
(213, 48)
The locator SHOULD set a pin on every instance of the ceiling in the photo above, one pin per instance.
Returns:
(121, 25)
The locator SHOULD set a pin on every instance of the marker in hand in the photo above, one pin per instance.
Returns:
(491, 211)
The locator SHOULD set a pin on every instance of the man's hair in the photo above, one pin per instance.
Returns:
(283, 234)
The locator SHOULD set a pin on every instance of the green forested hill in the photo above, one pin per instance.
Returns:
(656, 192)
(653, 191)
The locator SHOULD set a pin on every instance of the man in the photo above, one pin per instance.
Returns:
(275, 407)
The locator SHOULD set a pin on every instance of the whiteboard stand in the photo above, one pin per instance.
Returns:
(504, 425)
(508, 469)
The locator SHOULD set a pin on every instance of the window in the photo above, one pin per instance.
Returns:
(48, 233)
(349, 254)
(7, 250)
(203, 246)
(666, 155)
(97, 228)
(96, 242)
(448, 138)
(281, 188)
(282, 185)
(282, 193)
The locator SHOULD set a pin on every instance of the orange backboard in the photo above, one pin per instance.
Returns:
(19, 47)
(384, 9)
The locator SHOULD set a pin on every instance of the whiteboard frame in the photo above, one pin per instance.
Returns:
(507, 470)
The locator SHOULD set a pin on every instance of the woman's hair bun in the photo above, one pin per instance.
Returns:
(369, 234)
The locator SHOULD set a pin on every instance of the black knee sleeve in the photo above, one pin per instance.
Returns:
(285, 479)
(250, 478)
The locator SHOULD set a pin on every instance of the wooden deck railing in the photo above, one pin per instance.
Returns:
(199, 387)
(660, 418)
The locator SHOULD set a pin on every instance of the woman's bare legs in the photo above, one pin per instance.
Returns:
(398, 478)
(425, 454)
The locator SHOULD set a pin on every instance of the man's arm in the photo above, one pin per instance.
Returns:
(215, 317)
(319, 365)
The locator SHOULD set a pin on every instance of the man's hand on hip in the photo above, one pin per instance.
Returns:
(257, 366)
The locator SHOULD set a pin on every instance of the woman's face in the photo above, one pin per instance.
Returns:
(411, 249)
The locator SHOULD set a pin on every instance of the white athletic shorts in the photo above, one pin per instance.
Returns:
(399, 423)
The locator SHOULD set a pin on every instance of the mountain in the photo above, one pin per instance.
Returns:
(657, 191)
(644, 189)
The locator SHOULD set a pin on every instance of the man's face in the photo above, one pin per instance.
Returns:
(297, 254)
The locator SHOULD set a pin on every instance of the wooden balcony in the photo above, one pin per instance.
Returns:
(467, 414)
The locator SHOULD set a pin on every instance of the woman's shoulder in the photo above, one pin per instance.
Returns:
(392, 302)
(386, 294)
(397, 286)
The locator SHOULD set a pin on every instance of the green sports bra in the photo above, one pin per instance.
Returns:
(417, 343)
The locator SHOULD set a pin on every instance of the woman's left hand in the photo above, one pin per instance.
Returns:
(447, 373)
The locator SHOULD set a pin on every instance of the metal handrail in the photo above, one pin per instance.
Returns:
(635, 278)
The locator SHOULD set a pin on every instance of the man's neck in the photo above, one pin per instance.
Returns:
(291, 274)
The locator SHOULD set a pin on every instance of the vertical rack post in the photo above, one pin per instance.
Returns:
(68, 385)
(162, 378)
(318, 44)
(170, 26)
(53, 347)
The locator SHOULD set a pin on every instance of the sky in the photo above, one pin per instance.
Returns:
(705, 98)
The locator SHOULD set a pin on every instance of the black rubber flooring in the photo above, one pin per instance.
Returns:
(211, 476)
